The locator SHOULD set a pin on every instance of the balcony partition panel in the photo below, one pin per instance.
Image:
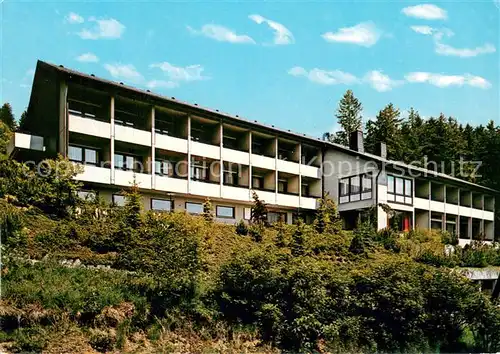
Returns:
(422, 189)
(263, 145)
(205, 131)
(465, 198)
(437, 192)
(310, 156)
(477, 201)
(452, 196)
(88, 103)
(288, 151)
(171, 123)
(235, 138)
(132, 114)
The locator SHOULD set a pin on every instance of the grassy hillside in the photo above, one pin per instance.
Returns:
(80, 276)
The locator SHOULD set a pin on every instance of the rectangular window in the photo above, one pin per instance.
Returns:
(87, 195)
(163, 167)
(118, 200)
(247, 213)
(162, 204)
(126, 162)
(257, 182)
(399, 190)
(82, 154)
(355, 188)
(282, 186)
(75, 154)
(304, 190)
(273, 217)
(194, 208)
(390, 184)
(225, 212)
(199, 171)
(231, 178)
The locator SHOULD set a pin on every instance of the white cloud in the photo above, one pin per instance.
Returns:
(282, 35)
(381, 82)
(426, 12)
(445, 49)
(221, 34)
(448, 50)
(442, 81)
(365, 34)
(154, 84)
(124, 71)
(324, 77)
(423, 29)
(179, 73)
(103, 29)
(88, 58)
(74, 18)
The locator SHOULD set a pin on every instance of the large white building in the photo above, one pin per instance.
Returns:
(179, 154)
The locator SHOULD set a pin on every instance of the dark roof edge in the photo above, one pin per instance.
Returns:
(303, 137)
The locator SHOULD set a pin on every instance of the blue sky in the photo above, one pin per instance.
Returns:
(281, 63)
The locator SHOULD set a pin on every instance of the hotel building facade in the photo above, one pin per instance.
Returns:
(179, 154)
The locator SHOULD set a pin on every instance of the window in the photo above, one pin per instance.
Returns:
(198, 171)
(163, 167)
(355, 188)
(162, 204)
(282, 186)
(126, 162)
(82, 155)
(257, 182)
(87, 195)
(225, 212)
(231, 177)
(399, 190)
(273, 217)
(194, 208)
(247, 213)
(304, 190)
(118, 199)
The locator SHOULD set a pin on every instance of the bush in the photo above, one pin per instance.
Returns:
(242, 228)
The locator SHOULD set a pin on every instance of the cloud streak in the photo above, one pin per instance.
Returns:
(443, 81)
(425, 12)
(87, 58)
(381, 82)
(181, 73)
(364, 34)
(324, 77)
(74, 18)
(221, 34)
(103, 29)
(282, 35)
(126, 72)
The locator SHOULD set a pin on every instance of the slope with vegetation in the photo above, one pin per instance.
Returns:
(82, 276)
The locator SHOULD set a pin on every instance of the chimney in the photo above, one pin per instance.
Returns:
(382, 150)
(356, 141)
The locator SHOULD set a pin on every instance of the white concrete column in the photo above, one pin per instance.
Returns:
(112, 141)
(189, 153)
(221, 161)
(250, 165)
(300, 173)
(63, 119)
(153, 150)
(276, 170)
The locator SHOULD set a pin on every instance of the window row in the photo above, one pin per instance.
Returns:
(355, 188)
(399, 190)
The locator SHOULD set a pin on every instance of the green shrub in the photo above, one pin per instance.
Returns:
(242, 228)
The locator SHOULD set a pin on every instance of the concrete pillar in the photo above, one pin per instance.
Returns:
(153, 149)
(112, 141)
(63, 119)
(188, 127)
(469, 228)
(249, 165)
(221, 162)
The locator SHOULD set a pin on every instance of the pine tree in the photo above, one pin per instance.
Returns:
(412, 131)
(259, 210)
(22, 120)
(208, 211)
(386, 128)
(348, 117)
(7, 117)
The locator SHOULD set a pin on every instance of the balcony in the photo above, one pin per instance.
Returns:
(308, 202)
(171, 143)
(171, 184)
(127, 179)
(310, 171)
(266, 196)
(89, 126)
(290, 200)
(205, 150)
(240, 193)
(95, 174)
(25, 141)
(132, 135)
(205, 188)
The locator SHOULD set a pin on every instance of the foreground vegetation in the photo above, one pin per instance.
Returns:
(176, 282)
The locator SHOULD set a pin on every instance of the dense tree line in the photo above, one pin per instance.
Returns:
(426, 141)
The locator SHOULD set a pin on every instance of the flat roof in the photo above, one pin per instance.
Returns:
(237, 119)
